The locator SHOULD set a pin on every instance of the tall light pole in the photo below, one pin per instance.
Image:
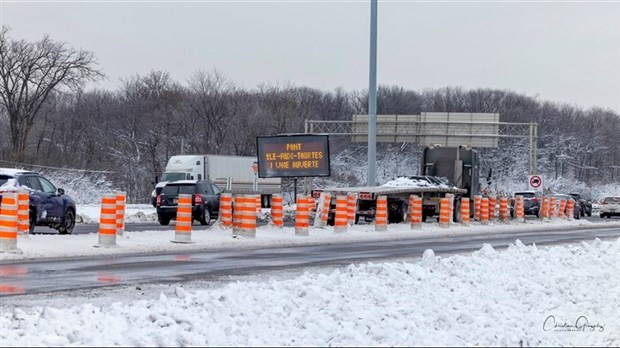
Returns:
(372, 96)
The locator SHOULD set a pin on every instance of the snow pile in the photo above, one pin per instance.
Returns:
(134, 213)
(413, 182)
(522, 296)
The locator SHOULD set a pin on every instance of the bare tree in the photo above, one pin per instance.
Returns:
(30, 72)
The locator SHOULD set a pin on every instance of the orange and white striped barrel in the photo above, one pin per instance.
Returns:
(351, 208)
(325, 200)
(236, 202)
(543, 213)
(464, 211)
(519, 209)
(23, 212)
(183, 228)
(8, 222)
(121, 200)
(484, 211)
(450, 196)
(562, 209)
(277, 213)
(107, 221)
(445, 212)
(492, 204)
(302, 216)
(570, 209)
(415, 211)
(553, 208)
(381, 214)
(225, 213)
(477, 206)
(340, 220)
(503, 209)
(245, 209)
(258, 204)
(311, 203)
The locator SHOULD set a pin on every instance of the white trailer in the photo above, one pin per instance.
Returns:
(233, 174)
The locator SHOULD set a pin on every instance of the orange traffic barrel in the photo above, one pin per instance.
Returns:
(415, 211)
(484, 211)
(503, 209)
(9, 222)
(226, 210)
(121, 200)
(107, 221)
(183, 228)
(477, 206)
(381, 214)
(445, 212)
(302, 216)
(465, 210)
(340, 220)
(351, 208)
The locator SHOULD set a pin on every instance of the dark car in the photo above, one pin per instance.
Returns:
(205, 200)
(585, 207)
(49, 206)
(558, 196)
(531, 202)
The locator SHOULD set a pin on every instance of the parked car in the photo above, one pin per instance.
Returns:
(205, 200)
(610, 207)
(558, 196)
(49, 206)
(531, 202)
(585, 206)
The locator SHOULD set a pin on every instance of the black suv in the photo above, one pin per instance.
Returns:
(205, 200)
(584, 205)
(49, 206)
(531, 202)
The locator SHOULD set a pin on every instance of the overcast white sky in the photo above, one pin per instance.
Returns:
(559, 51)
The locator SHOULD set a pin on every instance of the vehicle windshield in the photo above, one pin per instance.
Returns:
(574, 195)
(525, 194)
(173, 176)
(4, 179)
(612, 200)
(173, 190)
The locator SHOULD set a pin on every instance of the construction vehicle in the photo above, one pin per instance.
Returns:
(443, 170)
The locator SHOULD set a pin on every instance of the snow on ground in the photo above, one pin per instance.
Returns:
(523, 296)
(54, 245)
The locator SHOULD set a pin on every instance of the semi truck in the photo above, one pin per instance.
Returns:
(443, 170)
(234, 174)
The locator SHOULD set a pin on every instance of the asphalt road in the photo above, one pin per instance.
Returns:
(155, 226)
(31, 277)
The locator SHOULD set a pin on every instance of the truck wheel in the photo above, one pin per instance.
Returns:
(399, 215)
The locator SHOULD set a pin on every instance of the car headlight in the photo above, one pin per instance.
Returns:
(153, 194)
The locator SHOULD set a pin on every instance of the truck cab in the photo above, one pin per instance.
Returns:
(461, 165)
(181, 167)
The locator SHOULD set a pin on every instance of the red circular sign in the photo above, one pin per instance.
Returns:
(535, 181)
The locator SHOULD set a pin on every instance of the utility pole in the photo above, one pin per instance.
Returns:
(372, 96)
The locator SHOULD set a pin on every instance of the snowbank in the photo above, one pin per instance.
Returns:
(521, 296)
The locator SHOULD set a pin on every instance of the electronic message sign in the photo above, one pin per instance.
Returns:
(293, 156)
